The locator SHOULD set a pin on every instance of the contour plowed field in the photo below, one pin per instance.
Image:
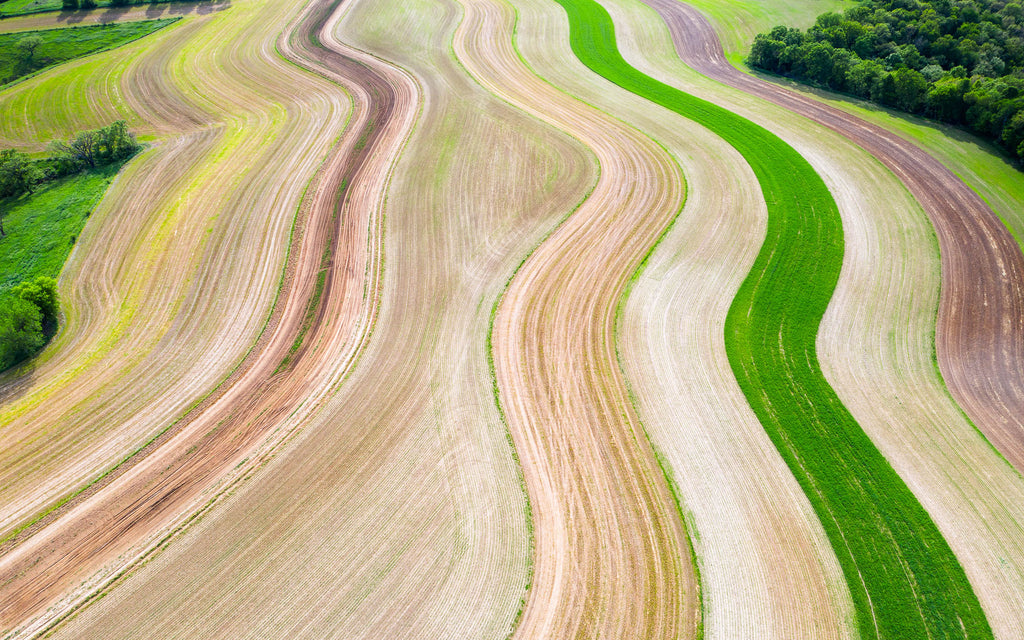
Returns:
(452, 253)
(980, 332)
(492, 319)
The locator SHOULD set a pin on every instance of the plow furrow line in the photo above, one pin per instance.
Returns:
(880, 356)
(611, 553)
(892, 554)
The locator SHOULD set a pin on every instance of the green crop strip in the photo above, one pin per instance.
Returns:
(904, 579)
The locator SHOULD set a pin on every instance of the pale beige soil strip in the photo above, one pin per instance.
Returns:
(980, 332)
(397, 512)
(76, 544)
(612, 559)
(876, 349)
(149, 331)
(745, 507)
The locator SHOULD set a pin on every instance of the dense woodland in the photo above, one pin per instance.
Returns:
(958, 61)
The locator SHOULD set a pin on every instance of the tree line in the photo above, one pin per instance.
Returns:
(28, 318)
(29, 310)
(84, 150)
(957, 61)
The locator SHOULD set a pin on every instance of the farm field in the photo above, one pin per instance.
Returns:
(510, 319)
(57, 45)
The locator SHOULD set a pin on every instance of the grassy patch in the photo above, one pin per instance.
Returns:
(904, 579)
(61, 45)
(737, 21)
(42, 228)
(12, 8)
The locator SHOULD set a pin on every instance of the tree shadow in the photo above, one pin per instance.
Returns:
(153, 10)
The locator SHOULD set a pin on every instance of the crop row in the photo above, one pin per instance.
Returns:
(904, 579)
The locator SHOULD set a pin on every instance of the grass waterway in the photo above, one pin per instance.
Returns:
(904, 579)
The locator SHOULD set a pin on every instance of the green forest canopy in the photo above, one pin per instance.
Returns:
(957, 61)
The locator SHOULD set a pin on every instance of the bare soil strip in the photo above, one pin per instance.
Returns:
(169, 290)
(330, 298)
(742, 503)
(980, 330)
(611, 556)
(397, 512)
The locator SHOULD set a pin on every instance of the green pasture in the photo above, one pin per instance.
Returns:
(904, 579)
(42, 228)
(21, 7)
(12, 8)
(60, 45)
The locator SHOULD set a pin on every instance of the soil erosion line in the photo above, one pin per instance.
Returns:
(903, 577)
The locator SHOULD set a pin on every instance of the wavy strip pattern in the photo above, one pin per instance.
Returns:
(877, 346)
(329, 298)
(745, 506)
(168, 292)
(878, 529)
(611, 553)
(396, 512)
(980, 333)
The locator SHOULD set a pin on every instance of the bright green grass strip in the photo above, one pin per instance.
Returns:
(904, 579)
(13, 8)
(61, 45)
(41, 228)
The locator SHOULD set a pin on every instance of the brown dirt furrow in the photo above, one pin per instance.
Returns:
(166, 293)
(611, 553)
(121, 520)
(980, 330)
(398, 512)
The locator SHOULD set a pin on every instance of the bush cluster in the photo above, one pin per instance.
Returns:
(957, 61)
(28, 317)
(83, 150)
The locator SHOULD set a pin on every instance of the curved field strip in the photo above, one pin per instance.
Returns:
(746, 508)
(126, 368)
(611, 554)
(885, 308)
(893, 556)
(397, 512)
(57, 557)
(880, 358)
(980, 332)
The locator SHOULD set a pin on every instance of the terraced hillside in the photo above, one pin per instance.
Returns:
(479, 318)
